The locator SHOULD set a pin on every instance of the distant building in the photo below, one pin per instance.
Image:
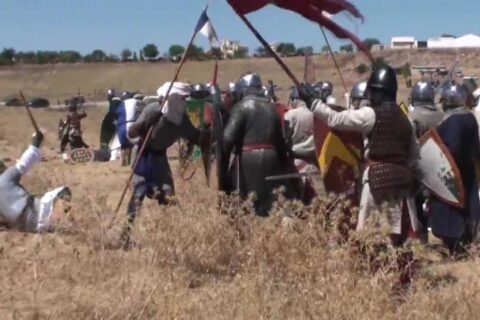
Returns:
(446, 42)
(403, 43)
(229, 48)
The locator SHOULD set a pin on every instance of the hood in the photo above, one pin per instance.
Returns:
(46, 207)
(180, 88)
(174, 108)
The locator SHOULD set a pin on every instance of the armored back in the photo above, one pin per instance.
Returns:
(390, 138)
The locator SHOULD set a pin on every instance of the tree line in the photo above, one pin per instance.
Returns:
(150, 52)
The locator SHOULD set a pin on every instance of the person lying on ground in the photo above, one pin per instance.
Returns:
(22, 211)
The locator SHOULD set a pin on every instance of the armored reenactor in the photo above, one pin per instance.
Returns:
(300, 139)
(254, 134)
(23, 211)
(358, 97)
(423, 111)
(459, 132)
(73, 132)
(391, 154)
(391, 150)
(108, 128)
(152, 176)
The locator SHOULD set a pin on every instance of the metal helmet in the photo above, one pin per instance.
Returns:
(326, 88)
(215, 92)
(384, 79)
(250, 80)
(423, 92)
(453, 95)
(199, 91)
(359, 90)
(126, 95)
(294, 94)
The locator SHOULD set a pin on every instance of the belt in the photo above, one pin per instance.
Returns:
(258, 146)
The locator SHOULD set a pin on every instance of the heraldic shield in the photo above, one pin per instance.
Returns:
(440, 173)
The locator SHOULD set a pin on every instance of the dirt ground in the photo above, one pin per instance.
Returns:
(192, 262)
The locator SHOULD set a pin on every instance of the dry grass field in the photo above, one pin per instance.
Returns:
(192, 262)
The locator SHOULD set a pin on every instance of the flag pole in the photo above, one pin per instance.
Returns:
(334, 59)
(267, 47)
(149, 133)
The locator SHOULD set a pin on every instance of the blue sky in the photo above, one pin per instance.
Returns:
(112, 25)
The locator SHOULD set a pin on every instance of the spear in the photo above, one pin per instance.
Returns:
(29, 112)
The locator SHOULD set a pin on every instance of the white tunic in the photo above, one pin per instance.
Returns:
(363, 120)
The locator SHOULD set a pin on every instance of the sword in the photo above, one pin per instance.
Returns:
(292, 176)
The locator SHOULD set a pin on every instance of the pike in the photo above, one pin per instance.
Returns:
(149, 133)
(293, 176)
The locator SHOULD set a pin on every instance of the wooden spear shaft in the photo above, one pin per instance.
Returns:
(334, 59)
(29, 112)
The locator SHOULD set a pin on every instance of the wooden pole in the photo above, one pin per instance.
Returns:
(334, 59)
(29, 112)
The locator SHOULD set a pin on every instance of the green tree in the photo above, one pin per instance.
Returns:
(150, 51)
(260, 52)
(141, 55)
(175, 50)
(135, 58)
(241, 53)
(196, 53)
(26, 57)
(304, 51)
(325, 49)
(43, 57)
(112, 58)
(346, 48)
(370, 42)
(98, 55)
(69, 56)
(287, 49)
(7, 56)
(126, 54)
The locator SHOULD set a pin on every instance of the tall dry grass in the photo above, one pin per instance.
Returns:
(193, 262)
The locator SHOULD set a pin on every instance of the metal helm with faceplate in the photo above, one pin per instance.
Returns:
(422, 92)
(453, 95)
(250, 80)
(384, 79)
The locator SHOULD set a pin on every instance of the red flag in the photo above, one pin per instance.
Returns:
(313, 11)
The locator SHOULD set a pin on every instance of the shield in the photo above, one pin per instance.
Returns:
(107, 130)
(440, 173)
(62, 129)
(404, 108)
(81, 155)
(195, 110)
(339, 155)
(221, 164)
